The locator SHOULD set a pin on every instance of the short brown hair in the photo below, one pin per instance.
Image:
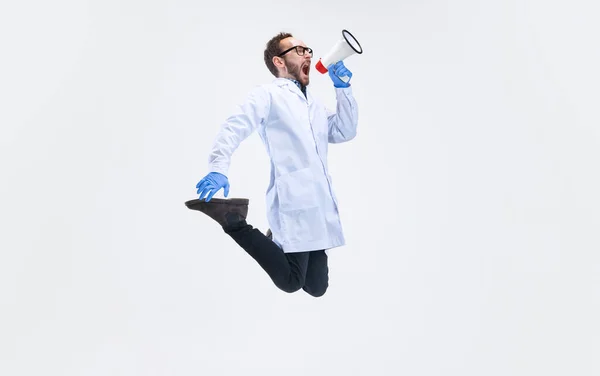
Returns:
(273, 49)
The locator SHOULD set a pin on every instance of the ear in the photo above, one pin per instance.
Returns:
(278, 62)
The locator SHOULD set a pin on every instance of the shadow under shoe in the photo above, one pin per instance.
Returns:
(226, 211)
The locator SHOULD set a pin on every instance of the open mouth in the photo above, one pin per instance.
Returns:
(306, 69)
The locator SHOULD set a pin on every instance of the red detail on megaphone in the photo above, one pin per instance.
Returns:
(320, 67)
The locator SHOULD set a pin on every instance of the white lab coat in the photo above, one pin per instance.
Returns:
(302, 208)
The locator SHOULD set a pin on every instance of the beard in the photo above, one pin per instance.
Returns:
(296, 72)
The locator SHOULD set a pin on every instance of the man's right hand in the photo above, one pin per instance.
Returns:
(338, 70)
(211, 183)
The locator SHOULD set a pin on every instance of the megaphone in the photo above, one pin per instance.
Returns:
(346, 46)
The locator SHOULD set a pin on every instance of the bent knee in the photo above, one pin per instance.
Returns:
(316, 292)
(290, 286)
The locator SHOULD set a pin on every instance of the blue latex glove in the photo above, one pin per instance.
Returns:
(338, 70)
(211, 183)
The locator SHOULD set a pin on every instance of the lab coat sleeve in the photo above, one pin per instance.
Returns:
(344, 121)
(246, 118)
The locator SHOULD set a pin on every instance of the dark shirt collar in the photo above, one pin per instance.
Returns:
(300, 86)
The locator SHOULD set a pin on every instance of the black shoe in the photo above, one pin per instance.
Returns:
(269, 234)
(226, 212)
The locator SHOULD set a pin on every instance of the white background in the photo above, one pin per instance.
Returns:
(469, 197)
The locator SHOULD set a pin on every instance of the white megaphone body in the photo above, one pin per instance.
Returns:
(346, 46)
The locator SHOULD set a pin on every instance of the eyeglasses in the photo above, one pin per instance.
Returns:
(300, 50)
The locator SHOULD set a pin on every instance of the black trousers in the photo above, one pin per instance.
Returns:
(289, 271)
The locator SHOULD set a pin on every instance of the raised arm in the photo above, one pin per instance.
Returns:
(342, 122)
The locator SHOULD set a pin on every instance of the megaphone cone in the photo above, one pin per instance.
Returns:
(346, 46)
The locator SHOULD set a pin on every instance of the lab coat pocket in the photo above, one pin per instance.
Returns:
(301, 217)
(296, 190)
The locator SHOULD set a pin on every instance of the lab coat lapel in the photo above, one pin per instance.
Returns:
(309, 97)
(291, 86)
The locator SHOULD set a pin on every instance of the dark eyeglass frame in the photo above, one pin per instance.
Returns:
(304, 49)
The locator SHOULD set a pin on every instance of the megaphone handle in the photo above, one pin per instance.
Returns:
(345, 78)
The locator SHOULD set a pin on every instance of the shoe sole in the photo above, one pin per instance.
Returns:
(225, 201)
